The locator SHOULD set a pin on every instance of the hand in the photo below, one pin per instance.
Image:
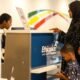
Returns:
(61, 76)
(55, 30)
(79, 50)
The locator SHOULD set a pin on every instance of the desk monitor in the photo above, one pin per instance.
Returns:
(17, 28)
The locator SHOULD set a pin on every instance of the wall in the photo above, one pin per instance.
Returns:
(9, 6)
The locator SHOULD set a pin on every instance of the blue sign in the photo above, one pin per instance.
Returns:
(37, 41)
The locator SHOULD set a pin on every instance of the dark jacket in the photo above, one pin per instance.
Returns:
(3, 41)
(72, 36)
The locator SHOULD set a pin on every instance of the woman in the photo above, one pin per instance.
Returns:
(5, 23)
(73, 35)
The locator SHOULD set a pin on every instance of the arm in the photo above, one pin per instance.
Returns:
(61, 76)
(79, 50)
(61, 37)
(61, 34)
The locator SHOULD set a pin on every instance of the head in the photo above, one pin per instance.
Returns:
(74, 9)
(67, 52)
(5, 21)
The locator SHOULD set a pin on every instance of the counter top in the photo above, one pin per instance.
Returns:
(44, 69)
(27, 31)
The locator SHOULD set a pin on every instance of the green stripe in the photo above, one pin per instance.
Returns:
(34, 13)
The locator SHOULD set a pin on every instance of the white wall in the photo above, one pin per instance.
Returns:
(58, 5)
(9, 6)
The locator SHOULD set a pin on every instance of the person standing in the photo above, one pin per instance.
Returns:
(72, 71)
(72, 37)
(5, 23)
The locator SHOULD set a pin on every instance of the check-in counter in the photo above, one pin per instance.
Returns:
(24, 57)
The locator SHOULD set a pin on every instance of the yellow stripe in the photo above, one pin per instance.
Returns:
(35, 18)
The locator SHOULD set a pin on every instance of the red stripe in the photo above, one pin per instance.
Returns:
(43, 21)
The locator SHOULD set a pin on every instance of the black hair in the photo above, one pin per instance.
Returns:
(67, 48)
(75, 9)
(4, 17)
